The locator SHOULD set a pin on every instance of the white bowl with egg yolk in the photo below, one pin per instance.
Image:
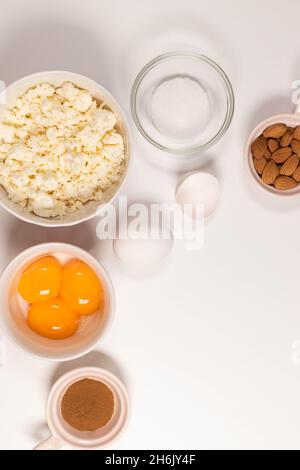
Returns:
(13, 316)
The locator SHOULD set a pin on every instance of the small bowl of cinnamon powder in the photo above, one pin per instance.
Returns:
(87, 408)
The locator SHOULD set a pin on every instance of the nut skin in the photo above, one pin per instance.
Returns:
(275, 131)
(259, 147)
(259, 164)
(282, 154)
(296, 146)
(284, 183)
(267, 154)
(273, 145)
(290, 165)
(296, 134)
(296, 174)
(270, 173)
(286, 139)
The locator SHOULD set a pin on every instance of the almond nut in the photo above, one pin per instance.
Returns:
(296, 146)
(296, 134)
(290, 165)
(286, 139)
(259, 147)
(285, 182)
(270, 173)
(273, 145)
(259, 164)
(282, 154)
(276, 131)
(268, 154)
(296, 174)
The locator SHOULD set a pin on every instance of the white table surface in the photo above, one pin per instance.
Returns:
(205, 345)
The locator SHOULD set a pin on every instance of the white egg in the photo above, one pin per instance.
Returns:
(199, 189)
(142, 253)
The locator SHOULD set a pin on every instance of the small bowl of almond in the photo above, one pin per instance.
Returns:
(273, 154)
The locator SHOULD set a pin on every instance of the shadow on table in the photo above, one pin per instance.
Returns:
(47, 45)
(92, 359)
(23, 235)
(279, 104)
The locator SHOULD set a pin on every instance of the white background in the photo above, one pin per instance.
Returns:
(205, 345)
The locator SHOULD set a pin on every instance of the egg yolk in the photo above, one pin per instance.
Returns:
(52, 319)
(81, 288)
(41, 280)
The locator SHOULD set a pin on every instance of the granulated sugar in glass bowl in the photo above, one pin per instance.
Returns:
(180, 107)
(182, 102)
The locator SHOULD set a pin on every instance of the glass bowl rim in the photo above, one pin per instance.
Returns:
(192, 55)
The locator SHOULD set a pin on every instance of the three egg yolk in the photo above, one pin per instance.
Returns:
(58, 295)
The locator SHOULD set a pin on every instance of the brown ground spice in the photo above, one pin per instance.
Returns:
(87, 405)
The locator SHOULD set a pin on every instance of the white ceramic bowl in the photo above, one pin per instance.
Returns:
(63, 435)
(9, 96)
(292, 120)
(13, 320)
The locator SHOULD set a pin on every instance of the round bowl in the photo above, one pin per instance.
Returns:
(13, 317)
(63, 435)
(290, 119)
(207, 82)
(90, 209)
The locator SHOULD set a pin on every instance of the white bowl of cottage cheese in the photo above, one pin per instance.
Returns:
(64, 148)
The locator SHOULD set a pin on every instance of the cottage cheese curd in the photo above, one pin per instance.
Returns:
(58, 150)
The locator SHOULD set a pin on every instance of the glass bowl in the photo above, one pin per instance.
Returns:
(182, 102)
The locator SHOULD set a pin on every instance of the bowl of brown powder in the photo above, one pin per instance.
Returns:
(87, 408)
